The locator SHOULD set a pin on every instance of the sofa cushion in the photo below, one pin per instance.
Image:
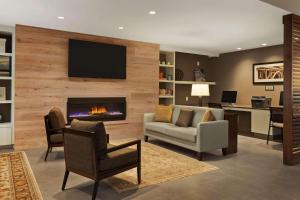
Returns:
(175, 115)
(208, 116)
(198, 115)
(118, 158)
(183, 133)
(185, 118)
(57, 120)
(218, 113)
(158, 126)
(163, 113)
(96, 127)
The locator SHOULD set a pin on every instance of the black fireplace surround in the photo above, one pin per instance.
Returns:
(96, 109)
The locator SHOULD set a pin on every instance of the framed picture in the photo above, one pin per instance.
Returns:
(2, 94)
(268, 72)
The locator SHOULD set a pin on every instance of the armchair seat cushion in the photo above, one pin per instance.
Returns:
(56, 138)
(117, 159)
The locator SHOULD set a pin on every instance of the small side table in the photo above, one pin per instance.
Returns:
(232, 132)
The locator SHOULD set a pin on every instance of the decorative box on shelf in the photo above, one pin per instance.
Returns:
(165, 92)
(2, 45)
(4, 65)
(2, 93)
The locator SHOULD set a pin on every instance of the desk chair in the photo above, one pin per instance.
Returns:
(276, 119)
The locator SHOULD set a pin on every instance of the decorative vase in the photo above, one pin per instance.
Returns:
(199, 75)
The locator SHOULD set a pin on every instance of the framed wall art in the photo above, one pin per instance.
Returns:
(268, 72)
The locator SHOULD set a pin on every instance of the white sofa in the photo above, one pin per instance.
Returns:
(200, 137)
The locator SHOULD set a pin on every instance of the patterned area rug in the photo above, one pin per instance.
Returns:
(158, 165)
(16, 178)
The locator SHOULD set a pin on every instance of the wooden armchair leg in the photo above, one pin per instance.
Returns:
(139, 174)
(224, 151)
(95, 190)
(48, 149)
(65, 180)
(200, 156)
(146, 138)
(139, 149)
(107, 138)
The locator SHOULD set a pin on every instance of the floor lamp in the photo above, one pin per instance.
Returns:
(200, 90)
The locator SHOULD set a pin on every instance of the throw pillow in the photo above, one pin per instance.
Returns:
(208, 116)
(185, 118)
(163, 113)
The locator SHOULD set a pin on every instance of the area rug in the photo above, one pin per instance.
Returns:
(16, 178)
(158, 165)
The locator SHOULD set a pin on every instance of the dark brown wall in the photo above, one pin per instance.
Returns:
(187, 63)
(230, 71)
(233, 71)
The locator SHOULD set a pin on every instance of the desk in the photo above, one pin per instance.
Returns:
(251, 120)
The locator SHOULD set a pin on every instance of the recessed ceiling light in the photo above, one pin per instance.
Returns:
(239, 48)
(60, 17)
(121, 28)
(152, 12)
(263, 44)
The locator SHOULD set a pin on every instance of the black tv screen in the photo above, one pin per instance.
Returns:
(96, 60)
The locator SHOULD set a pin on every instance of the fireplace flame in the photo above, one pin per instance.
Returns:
(98, 110)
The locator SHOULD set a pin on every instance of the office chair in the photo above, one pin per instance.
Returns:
(276, 120)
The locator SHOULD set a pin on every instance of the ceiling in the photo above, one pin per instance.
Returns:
(206, 27)
(290, 5)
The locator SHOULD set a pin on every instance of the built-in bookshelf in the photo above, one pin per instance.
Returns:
(7, 85)
(167, 80)
(166, 77)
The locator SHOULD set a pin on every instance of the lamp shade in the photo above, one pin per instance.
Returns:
(200, 90)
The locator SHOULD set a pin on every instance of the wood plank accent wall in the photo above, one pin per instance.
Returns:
(42, 82)
(291, 132)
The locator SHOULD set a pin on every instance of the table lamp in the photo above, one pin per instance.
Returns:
(200, 90)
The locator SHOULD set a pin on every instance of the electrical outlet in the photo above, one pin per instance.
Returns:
(186, 98)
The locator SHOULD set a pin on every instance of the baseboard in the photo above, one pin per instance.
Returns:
(11, 146)
(261, 136)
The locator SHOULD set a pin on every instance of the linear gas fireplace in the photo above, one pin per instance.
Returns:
(96, 109)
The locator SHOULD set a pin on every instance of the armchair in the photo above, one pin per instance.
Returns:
(54, 124)
(88, 154)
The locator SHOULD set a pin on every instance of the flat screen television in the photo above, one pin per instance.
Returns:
(96, 60)
(229, 96)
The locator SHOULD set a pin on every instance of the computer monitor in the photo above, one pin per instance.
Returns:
(281, 99)
(229, 96)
